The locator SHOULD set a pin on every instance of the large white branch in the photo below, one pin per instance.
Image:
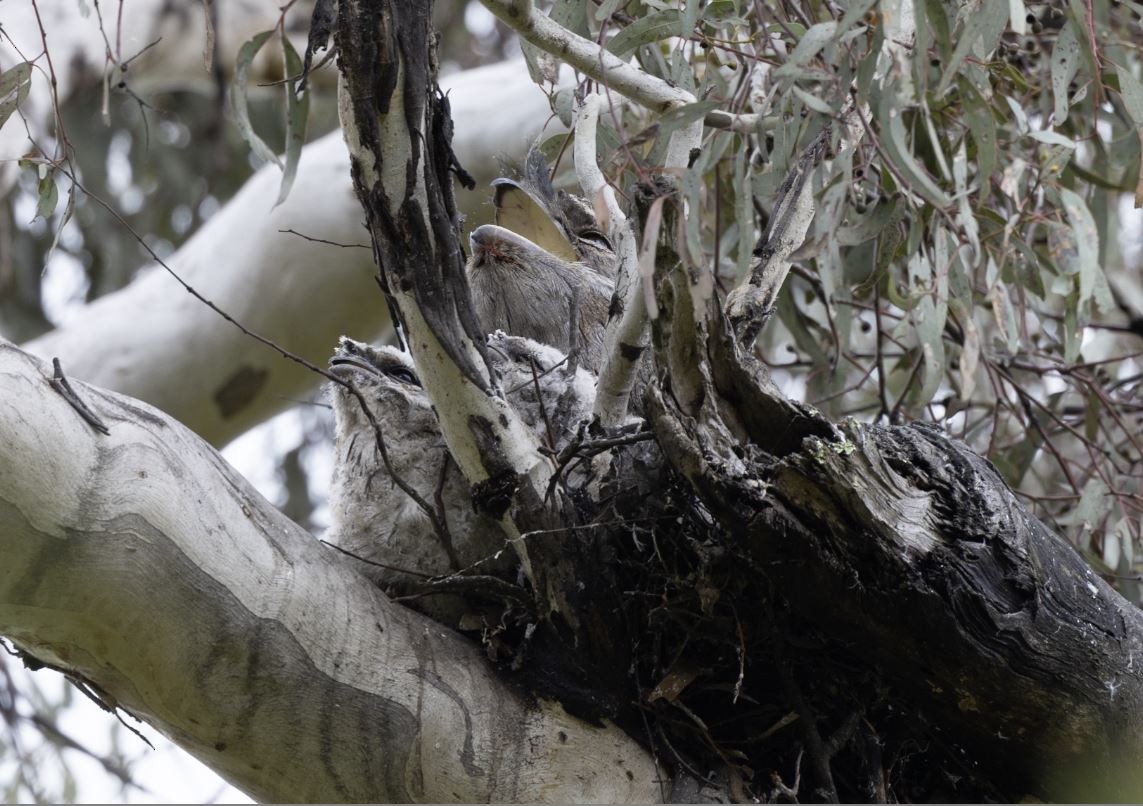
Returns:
(143, 564)
(154, 341)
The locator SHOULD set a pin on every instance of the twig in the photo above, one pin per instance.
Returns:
(105, 701)
(580, 448)
(62, 739)
(60, 383)
(818, 749)
(488, 587)
(323, 240)
(386, 566)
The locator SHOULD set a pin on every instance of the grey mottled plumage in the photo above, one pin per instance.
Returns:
(374, 519)
(545, 250)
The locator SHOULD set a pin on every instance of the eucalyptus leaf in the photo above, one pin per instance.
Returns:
(606, 9)
(47, 195)
(965, 216)
(868, 226)
(1093, 412)
(564, 105)
(1092, 282)
(1065, 63)
(854, 14)
(933, 370)
(69, 209)
(960, 280)
(1015, 461)
(1033, 270)
(1125, 185)
(1053, 138)
(684, 115)
(867, 69)
(572, 15)
(969, 351)
(297, 114)
(1094, 505)
(1018, 113)
(655, 27)
(978, 36)
(978, 115)
(14, 85)
(937, 15)
(1130, 89)
(922, 43)
(811, 43)
(238, 100)
(690, 16)
(812, 101)
(1082, 12)
(899, 153)
(796, 322)
(543, 67)
(816, 38)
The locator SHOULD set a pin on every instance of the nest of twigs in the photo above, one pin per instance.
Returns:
(738, 698)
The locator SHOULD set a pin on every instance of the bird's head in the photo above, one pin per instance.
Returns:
(535, 223)
(533, 375)
(387, 380)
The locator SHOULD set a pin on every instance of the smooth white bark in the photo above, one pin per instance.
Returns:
(145, 565)
(617, 374)
(153, 340)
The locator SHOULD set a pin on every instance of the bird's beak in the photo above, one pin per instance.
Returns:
(520, 211)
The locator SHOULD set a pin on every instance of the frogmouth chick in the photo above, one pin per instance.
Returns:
(543, 261)
(374, 519)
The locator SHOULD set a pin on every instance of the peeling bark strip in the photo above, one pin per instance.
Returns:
(386, 55)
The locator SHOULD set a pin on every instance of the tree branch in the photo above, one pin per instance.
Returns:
(141, 563)
(398, 130)
(605, 67)
(625, 337)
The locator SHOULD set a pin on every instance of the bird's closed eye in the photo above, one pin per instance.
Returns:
(595, 237)
(404, 376)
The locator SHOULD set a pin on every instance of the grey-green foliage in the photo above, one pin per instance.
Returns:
(964, 259)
